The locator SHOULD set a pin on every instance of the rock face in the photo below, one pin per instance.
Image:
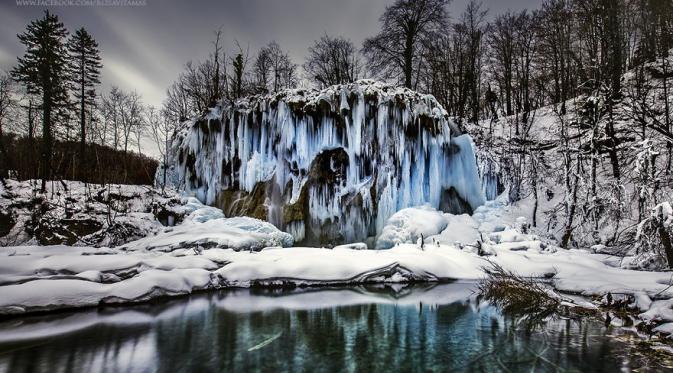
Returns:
(328, 166)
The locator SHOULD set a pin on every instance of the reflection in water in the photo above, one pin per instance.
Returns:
(428, 328)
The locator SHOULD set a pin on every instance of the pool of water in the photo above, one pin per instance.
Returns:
(383, 328)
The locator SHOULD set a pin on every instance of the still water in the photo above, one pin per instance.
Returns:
(419, 328)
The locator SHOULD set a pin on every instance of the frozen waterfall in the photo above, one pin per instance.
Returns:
(328, 166)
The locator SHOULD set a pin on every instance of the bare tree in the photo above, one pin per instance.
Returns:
(262, 71)
(332, 60)
(177, 106)
(7, 103)
(122, 113)
(239, 64)
(6, 99)
(217, 49)
(161, 131)
(501, 43)
(473, 24)
(396, 52)
(274, 69)
(200, 86)
(130, 110)
(556, 51)
(111, 109)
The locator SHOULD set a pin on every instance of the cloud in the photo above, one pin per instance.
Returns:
(6, 59)
(127, 77)
(141, 41)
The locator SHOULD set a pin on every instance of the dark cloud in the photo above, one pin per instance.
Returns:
(144, 48)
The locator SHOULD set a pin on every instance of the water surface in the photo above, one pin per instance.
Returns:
(418, 328)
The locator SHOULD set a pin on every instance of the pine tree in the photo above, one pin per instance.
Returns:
(85, 66)
(43, 70)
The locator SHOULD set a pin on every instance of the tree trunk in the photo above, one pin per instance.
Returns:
(82, 143)
(45, 155)
(669, 146)
(665, 238)
(408, 60)
(535, 196)
(610, 130)
(567, 235)
(9, 164)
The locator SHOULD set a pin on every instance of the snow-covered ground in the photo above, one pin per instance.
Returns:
(182, 260)
(79, 214)
(537, 151)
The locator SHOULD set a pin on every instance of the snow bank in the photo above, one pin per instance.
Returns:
(407, 226)
(45, 278)
(206, 227)
(200, 213)
(39, 278)
(460, 230)
(241, 233)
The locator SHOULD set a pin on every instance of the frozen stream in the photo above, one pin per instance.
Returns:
(421, 328)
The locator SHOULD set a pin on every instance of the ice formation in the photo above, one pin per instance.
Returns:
(328, 166)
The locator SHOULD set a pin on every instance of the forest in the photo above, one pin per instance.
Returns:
(477, 189)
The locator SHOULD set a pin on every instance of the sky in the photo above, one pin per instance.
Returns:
(145, 47)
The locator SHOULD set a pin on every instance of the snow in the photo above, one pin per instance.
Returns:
(352, 246)
(200, 213)
(239, 233)
(52, 277)
(609, 214)
(460, 229)
(38, 278)
(208, 251)
(664, 212)
(407, 225)
(86, 214)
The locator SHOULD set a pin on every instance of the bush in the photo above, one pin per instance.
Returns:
(516, 295)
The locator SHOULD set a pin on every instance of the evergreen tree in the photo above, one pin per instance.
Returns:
(43, 70)
(85, 65)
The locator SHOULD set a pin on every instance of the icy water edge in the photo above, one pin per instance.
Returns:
(437, 327)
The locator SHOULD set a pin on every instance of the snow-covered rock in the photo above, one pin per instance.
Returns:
(239, 233)
(75, 213)
(352, 246)
(460, 229)
(407, 226)
(200, 213)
